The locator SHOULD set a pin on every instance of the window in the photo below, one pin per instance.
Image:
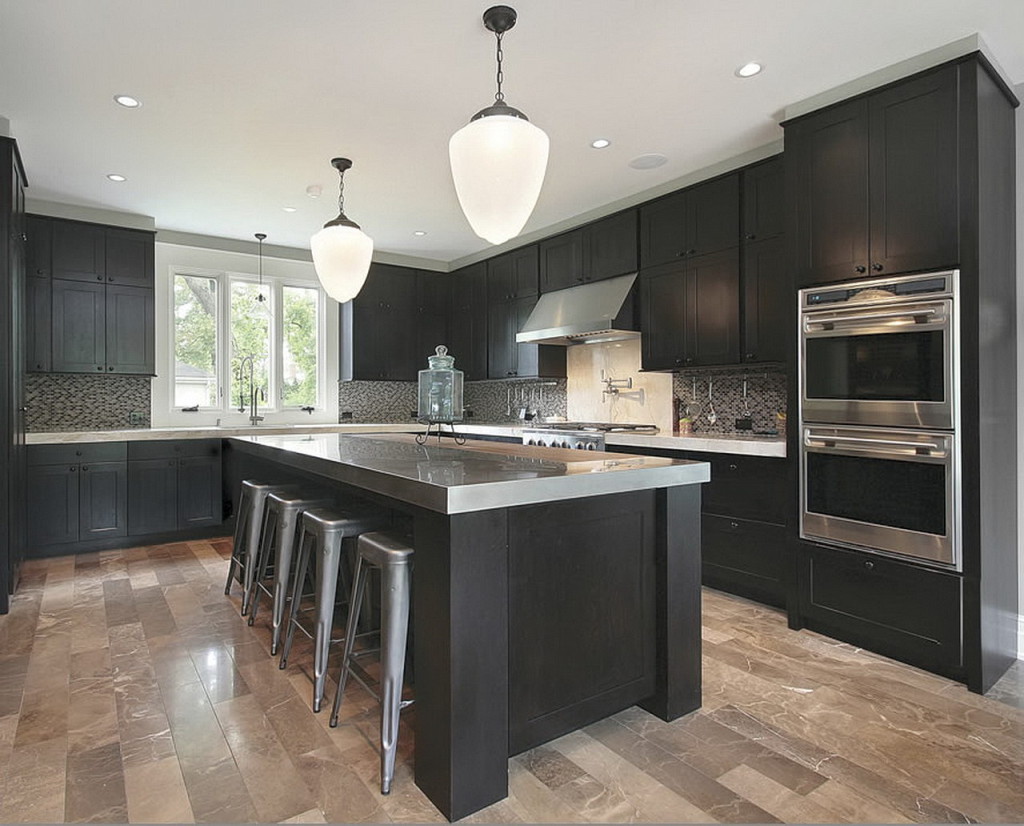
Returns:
(230, 336)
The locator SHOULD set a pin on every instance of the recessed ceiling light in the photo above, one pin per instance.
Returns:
(600, 143)
(651, 160)
(749, 69)
(314, 190)
(419, 232)
(113, 176)
(288, 209)
(127, 101)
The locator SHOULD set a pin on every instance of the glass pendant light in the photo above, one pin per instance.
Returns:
(499, 158)
(260, 236)
(341, 251)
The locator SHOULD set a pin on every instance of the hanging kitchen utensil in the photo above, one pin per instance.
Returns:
(746, 421)
(712, 415)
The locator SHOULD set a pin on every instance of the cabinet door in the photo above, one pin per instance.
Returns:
(769, 299)
(745, 558)
(52, 504)
(79, 327)
(432, 300)
(78, 251)
(525, 271)
(561, 261)
(764, 202)
(828, 156)
(383, 339)
(152, 496)
(501, 344)
(913, 184)
(663, 235)
(103, 500)
(130, 328)
(38, 250)
(713, 215)
(713, 311)
(38, 308)
(199, 491)
(662, 316)
(468, 324)
(129, 257)
(610, 246)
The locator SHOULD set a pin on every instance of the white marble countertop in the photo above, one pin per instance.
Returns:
(770, 446)
(157, 433)
(479, 475)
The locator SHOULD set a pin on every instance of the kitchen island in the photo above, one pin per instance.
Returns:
(552, 588)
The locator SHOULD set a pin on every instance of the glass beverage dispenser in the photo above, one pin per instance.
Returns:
(440, 391)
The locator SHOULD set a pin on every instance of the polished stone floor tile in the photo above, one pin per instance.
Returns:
(132, 690)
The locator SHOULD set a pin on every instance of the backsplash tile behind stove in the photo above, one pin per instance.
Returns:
(68, 402)
(766, 397)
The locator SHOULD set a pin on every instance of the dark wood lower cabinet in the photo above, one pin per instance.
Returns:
(102, 500)
(93, 495)
(905, 611)
(744, 557)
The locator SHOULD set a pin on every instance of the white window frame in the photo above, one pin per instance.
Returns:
(225, 413)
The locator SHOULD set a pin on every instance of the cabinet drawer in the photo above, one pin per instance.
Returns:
(900, 610)
(749, 487)
(744, 557)
(74, 453)
(174, 448)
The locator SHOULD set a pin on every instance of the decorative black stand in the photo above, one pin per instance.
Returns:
(421, 438)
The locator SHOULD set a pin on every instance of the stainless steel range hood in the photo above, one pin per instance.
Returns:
(579, 315)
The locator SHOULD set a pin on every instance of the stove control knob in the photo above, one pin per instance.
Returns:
(591, 446)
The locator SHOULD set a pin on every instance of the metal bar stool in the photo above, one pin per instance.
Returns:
(392, 554)
(248, 524)
(281, 518)
(320, 541)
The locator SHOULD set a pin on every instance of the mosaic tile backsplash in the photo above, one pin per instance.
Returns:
(766, 397)
(490, 401)
(65, 402)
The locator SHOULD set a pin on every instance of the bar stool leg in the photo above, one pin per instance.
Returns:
(358, 587)
(396, 585)
(306, 541)
(326, 590)
(238, 546)
(286, 530)
(267, 536)
(254, 525)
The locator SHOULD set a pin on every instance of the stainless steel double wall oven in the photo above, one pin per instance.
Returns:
(879, 411)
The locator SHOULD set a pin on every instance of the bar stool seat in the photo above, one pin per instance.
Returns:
(392, 553)
(248, 524)
(320, 543)
(281, 519)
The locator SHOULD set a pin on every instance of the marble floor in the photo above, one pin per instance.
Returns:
(131, 691)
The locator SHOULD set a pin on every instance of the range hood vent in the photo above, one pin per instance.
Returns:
(580, 315)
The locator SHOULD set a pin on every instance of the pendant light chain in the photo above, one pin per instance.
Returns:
(500, 96)
(341, 191)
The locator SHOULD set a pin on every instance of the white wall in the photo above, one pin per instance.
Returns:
(1020, 372)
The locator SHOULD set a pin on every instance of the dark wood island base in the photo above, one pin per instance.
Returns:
(534, 619)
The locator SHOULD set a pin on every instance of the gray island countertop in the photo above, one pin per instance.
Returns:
(477, 476)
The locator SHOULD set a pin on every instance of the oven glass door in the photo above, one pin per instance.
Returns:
(889, 491)
(892, 367)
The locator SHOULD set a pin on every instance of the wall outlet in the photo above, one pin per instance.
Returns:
(744, 424)
(346, 415)
(136, 417)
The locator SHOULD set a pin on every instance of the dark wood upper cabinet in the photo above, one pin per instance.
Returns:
(79, 326)
(610, 246)
(130, 330)
(764, 200)
(129, 257)
(379, 338)
(874, 182)
(513, 275)
(38, 307)
(690, 312)
(561, 261)
(79, 251)
(39, 247)
(768, 302)
(695, 221)
(467, 332)
(432, 300)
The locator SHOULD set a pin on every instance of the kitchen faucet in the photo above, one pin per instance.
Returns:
(254, 394)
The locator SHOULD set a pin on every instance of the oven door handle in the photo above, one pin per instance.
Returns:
(879, 445)
(813, 323)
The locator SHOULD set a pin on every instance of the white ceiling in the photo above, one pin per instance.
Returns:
(246, 102)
